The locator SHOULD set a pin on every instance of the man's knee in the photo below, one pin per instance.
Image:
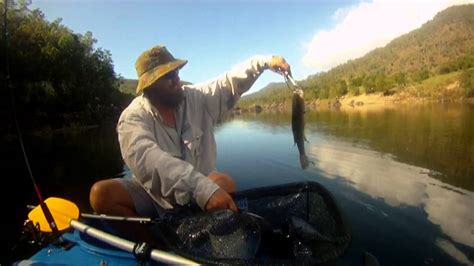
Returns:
(97, 197)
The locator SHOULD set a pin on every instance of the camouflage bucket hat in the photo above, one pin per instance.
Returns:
(153, 64)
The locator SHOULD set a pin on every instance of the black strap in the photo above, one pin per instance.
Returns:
(142, 251)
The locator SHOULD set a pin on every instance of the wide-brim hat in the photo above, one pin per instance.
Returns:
(153, 64)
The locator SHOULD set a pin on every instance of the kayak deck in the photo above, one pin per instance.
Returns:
(285, 224)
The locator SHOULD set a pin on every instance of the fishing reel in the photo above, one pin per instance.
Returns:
(31, 234)
(30, 240)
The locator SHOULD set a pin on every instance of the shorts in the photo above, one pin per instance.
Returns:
(144, 205)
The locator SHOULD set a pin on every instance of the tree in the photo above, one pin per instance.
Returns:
(56, 72)
(324, 93)
(400, 79)
(467, 82)
(421, 75)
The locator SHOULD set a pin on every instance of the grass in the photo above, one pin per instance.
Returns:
(436, 87)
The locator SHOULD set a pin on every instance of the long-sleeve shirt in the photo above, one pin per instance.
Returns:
(172, 164)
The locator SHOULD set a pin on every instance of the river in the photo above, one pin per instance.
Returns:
(404, 177)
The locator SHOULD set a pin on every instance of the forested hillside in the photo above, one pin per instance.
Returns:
(421, 58)
(55, 77)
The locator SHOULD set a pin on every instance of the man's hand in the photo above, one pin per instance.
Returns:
(223, 180)
(220, 200)
(279, 65)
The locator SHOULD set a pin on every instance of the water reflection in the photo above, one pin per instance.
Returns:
(436, 137)
(454, 252)
(399, 185)
(403, 175)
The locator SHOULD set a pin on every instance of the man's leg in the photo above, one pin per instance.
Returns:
(110, 197)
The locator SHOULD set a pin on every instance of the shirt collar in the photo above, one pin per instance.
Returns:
(149, 107)
(154, 112)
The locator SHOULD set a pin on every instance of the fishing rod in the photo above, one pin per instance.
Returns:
(44, 207)
(137, 219)
(68, 215)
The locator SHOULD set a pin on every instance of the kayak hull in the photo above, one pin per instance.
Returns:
(85, 251)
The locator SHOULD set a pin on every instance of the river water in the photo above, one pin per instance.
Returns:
(404, 177)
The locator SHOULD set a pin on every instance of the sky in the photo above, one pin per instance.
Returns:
(313, 36)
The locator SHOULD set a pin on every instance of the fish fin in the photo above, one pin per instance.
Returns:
(305, 139)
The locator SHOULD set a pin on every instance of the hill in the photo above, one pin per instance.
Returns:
(443, 45)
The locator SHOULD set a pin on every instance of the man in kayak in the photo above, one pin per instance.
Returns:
(166, 138)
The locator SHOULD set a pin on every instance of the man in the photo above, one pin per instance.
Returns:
(166, 138)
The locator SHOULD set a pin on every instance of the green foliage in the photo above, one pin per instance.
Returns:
(435, 87)
(324, 93)
(421, 75)
(354, 91)
(57, 73)
(128, 86)
(467, 82)
(357, 82)
(465, 62)
(400, 79)
(338, 89)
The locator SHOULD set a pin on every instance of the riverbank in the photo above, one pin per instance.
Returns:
(373, 101)
(445, 88)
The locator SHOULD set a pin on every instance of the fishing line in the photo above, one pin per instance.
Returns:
(287, 84)
(44, 207)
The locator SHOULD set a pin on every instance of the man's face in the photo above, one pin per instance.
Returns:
(166, 91)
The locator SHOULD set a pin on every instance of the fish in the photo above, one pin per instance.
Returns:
(307, 232)
(297, 125)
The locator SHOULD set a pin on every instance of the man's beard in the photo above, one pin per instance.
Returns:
(170, 98)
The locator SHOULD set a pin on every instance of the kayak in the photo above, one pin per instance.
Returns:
(296, 223)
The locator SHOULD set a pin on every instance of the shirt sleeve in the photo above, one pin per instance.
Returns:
(221, 93)
(159, 172)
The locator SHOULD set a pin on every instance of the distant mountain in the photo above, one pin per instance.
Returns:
(447, 37)
(442, 45)
(266, 92)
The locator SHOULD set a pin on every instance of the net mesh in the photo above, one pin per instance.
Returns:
(299, 223)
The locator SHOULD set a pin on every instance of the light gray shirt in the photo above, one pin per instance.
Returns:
(173, 169)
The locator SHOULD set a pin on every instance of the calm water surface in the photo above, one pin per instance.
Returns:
(405, 177)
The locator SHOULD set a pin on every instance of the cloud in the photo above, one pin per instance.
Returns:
(398, 184)
(370, 172)
(451, 250)
(366, 26)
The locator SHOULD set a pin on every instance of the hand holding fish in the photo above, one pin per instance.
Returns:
(279, 65)
(220, 200)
